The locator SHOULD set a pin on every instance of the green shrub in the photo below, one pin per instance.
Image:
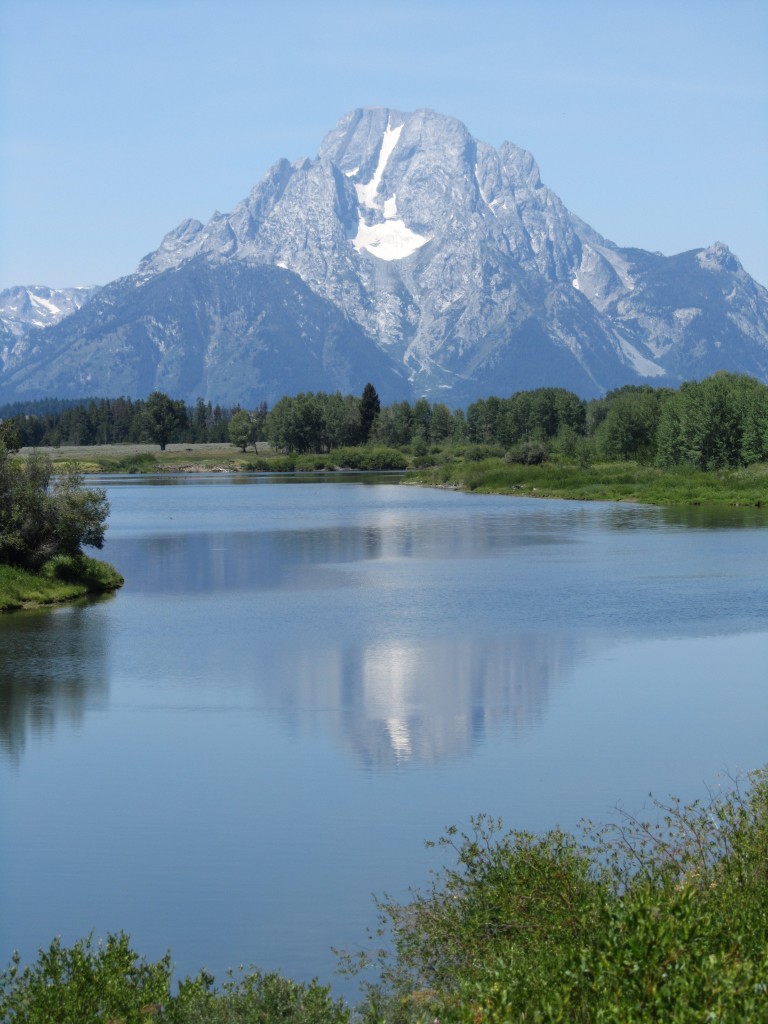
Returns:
(93, 983)
(480, 452)
(527, 453)
(274, 464)
(84, 984)
(659, 920)
(144, 462)
(92, 573)
(257, 998)
(644, 921)
(368, 459)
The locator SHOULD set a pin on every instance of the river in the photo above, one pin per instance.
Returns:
(303, 680)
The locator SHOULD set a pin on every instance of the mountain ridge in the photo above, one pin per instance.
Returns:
(448, 258)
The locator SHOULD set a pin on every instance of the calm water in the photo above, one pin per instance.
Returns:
(301, 682)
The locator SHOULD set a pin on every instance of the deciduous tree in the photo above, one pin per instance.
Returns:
(43, 514)
(164, 417)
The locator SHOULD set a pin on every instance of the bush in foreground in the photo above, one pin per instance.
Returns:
(642, 921)
(94, 982)
(639, 922)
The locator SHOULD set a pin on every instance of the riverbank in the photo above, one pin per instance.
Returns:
(609, 481)
(61, 580)
(462, 467)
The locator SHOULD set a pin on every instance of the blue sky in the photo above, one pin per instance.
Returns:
(119, 118)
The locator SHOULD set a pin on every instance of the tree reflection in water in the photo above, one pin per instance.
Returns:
(52, 667)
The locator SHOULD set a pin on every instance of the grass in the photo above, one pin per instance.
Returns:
(609, 481)
(479, 468)
(192, 458)
(147, 458)
(64, 578)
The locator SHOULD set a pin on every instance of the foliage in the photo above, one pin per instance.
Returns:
(660, 920)
(528, 453)
(244, 429)
(312, 422)
(164, 418)
(649, 919)
(604, 481)
(362, 458)
(256, 998)
(84, 984)
(10, 436)
(368, 459)
(526, 416)
(93, 982)
(141, 462)
(273, 464)
(43, 514)
(715, 423)
(91, 421)
(629, 422)
(370, 406)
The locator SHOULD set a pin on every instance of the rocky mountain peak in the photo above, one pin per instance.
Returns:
(718, 257)
(450, 258)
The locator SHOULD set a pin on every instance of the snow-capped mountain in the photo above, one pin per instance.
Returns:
(439, 265)
(28, 306)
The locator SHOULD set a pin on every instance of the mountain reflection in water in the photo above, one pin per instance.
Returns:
(423, 704)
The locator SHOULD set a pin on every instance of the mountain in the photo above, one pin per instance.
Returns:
(28, 306)
(410, 254)
(230, 331)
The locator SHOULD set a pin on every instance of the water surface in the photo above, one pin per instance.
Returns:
(301, 682)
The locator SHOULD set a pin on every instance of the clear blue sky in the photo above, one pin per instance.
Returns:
(119, 118)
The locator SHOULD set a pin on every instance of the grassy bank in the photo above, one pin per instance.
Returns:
(146, 458)
(477, 468)
(609, 481)
(64, 578)
(219, 458)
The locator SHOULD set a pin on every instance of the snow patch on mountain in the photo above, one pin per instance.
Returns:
(390, 240)
(366, 194)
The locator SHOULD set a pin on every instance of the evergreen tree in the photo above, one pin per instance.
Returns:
(370, 407)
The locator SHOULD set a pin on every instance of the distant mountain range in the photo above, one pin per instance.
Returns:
(406, 253)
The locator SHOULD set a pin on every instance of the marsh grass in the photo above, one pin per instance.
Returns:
(609, 481)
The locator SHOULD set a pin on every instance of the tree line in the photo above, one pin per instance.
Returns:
(55, 422)
(715, 423)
